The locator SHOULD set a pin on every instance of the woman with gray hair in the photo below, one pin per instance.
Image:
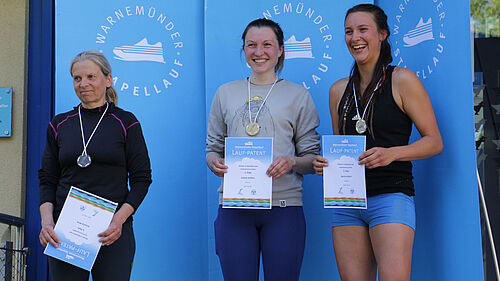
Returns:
(99, 148)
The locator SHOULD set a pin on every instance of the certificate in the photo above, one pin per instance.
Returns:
(246, 184)
(83, 216)
(344, 179)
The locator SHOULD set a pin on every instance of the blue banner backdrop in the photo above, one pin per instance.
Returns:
(317, 24)
(166, 89)
(156, 52)
(432, 38)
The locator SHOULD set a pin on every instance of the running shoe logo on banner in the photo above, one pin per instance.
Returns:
(140, 51)
(146, 46)
(419, 41)
(422, 32)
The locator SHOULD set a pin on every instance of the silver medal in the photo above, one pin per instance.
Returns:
(360, 122)
(83, 160)
(361, 126)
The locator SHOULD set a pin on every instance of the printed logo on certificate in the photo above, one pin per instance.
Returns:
(83, 216)
(344, 179)
(246, 184)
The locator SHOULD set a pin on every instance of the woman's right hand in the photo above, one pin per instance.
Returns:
(48, 235)
(319, 163)
(217, 166)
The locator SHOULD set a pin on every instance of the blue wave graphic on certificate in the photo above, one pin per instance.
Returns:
(344, 179)
(246, 184)
(83, 217)
(78, 254)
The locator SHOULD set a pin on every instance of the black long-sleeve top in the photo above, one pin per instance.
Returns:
(117, 149)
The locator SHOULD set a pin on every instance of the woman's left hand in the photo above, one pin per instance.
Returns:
(377, 157)
(111, 234)
(281, 166)
(114, 231)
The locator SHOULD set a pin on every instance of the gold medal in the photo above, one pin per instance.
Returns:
(252, 129)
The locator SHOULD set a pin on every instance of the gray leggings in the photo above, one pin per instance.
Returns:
(114, 262)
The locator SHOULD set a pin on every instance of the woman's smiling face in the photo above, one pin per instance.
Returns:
(262, 50)
(363, 38)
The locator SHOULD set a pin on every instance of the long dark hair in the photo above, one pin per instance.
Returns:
(384, 59)
(263, 22)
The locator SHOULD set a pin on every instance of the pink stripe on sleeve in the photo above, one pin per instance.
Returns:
(60, 123)
(121, 123)
(135, 123)
(53, 129)
(65, 119)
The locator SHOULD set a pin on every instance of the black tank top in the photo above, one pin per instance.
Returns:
(391, 127)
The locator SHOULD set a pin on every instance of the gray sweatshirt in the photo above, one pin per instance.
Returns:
(288, 116)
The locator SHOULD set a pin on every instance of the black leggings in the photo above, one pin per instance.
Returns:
(114, 262)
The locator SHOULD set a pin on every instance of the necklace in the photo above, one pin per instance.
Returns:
(360, 120)
(84, 159)
(253, 128)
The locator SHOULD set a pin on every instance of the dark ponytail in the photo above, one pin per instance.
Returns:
(385, 58)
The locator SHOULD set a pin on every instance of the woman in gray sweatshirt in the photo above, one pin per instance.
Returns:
(263, 105)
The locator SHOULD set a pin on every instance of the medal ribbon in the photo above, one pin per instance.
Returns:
(380, 82)
(84, 152)
(258, 111)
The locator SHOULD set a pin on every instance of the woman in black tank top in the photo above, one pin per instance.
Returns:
(394, 98)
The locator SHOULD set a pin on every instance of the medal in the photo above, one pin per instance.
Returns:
(83, 160)
(361, 126)
(252, 129)
(360, 121)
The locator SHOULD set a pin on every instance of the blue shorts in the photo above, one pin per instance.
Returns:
(383, 208)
